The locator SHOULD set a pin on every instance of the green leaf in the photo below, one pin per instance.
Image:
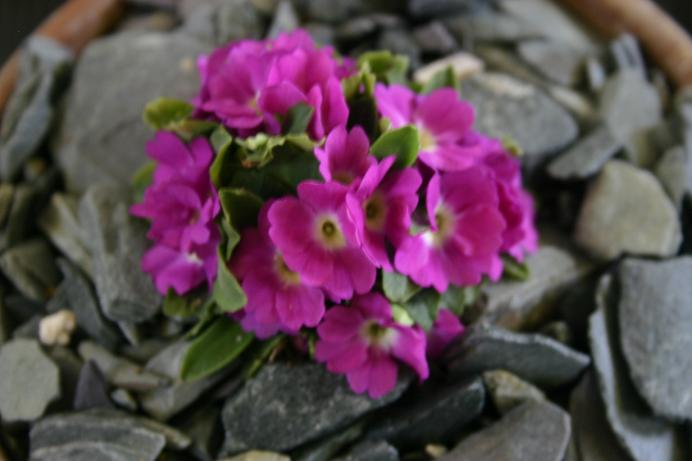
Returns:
(401, 316)
(297, 119)
(457, 299)
(397, 287)
(423, 308)
(220, 170)
(403, 142)
(142, 178)
(240, 207)
(163, 113)
(512, 146)
(232, 239)
(262, 354)
(215, 348)
(227, 293)
(387, 67)
(514, 269)
(445, 78)
(178, 306)
(189, 128)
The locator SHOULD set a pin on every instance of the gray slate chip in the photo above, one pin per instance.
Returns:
(534, 431)
(79, 295)
(29, 381)
(644, 436)
(91, 389)
(438, 416)
(31, 268)
(557, 62)
(371, 451)
(101, 434)
(535, 358)
(287, 405)
(655, 313)
(630, 105)
(43, 74)
(586, 157)
(626, 211)
(507, 391)
(124, 292)
(507, 107)
(591, 433)
(107, 145)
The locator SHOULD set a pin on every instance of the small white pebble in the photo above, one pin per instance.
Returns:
(57, 328)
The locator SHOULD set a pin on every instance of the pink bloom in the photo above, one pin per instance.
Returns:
(516, 205)
(345, 156)
(465, 232)
(181, 204)
(446, 329)
(182, 269)
(317, 240)
(443, 120)
(276, 298)
(380, 208)
(362, 341)
(250, 84)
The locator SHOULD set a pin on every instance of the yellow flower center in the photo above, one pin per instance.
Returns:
(329, 233)
(286, 275)
(444, 224)
(426, 139)
(377, 335)
(375, 212)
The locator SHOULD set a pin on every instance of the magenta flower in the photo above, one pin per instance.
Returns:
(345, 156)
(464, 234)
(516, 205)
(443, 120)
(380, 208)
(182, 269)
(362, 341)
(317, 240)
(181, 204)
(446, 329)
(250, 84)
(276, 297)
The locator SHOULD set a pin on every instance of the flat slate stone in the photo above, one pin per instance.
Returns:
(108, 144)
(535, 358)
(555, 267)
(287, 405)
(102, 434)
(558, 62)
(91, 389)
(60, 223)
(30, 266)
(591, 433)
(626, 211)
(586, 157)
(507, 391)
(79, 296)
(30, 381)
(44, 70)
(507, 107)
(165, 401)
(534, 431)
(630, 105)
(553, 22)
(644, 436)
(673, 170)
(438, 416)
(125, 293)
(655, 313)
(371, 451)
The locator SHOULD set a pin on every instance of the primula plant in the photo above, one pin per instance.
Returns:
(305, 195)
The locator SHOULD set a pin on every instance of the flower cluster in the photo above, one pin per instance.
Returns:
(316, 258)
